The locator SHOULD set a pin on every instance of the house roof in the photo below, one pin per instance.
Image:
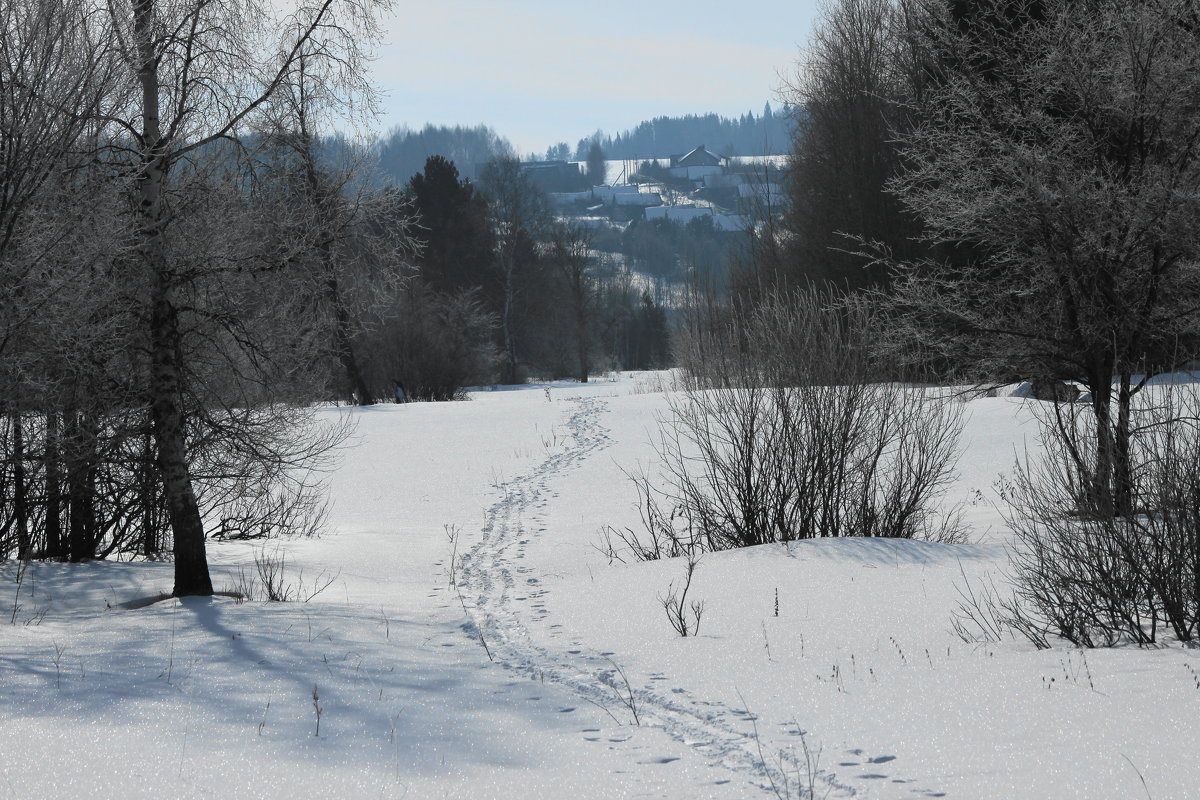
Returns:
(700, 157)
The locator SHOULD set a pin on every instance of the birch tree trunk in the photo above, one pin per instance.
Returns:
(202, 74)
(166, 395)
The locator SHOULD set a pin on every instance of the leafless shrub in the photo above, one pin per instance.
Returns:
(655, 383)
(80, 487)
(659, 537)
(270, 582)
(290, 511)
(271, 578)
(985, 615)
(90, 489)
(683, 616)
(978, 617)
(435, 343)
(259, 469)
(785, 431)
(1101, 579)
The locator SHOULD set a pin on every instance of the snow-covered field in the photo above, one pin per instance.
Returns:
(858, 668)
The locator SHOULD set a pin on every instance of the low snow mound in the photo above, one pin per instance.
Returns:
(865, 551)
(887, 551)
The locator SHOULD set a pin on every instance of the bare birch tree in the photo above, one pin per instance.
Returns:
(202, 71)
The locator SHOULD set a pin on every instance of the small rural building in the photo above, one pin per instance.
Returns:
(697, 164)
(682, 214)
(607, 193)
(625, 196)
(728, 180)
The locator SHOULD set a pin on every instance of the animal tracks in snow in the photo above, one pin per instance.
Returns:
(503, 590)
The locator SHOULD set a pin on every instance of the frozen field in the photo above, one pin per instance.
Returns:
(838, 649)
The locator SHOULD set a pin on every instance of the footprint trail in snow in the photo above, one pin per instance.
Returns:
(499, 587)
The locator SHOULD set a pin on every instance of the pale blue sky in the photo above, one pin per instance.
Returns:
(540, 72)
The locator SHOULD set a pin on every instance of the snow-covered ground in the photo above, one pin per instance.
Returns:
(211, 698)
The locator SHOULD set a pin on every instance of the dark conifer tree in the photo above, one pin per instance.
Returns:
(458, 242)
(595, 165)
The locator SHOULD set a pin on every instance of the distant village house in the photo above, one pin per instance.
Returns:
(697, 164)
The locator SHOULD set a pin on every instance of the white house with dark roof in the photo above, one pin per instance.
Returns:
(696, 164)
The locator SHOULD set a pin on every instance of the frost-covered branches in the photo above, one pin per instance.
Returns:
(1054, 164)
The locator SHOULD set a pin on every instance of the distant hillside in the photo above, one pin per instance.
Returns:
(402, 152)
(769, 133)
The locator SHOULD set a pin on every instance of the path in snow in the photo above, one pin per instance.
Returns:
(500, 589)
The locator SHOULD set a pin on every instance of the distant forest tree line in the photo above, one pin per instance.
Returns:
(769, 133)
(402, 152)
